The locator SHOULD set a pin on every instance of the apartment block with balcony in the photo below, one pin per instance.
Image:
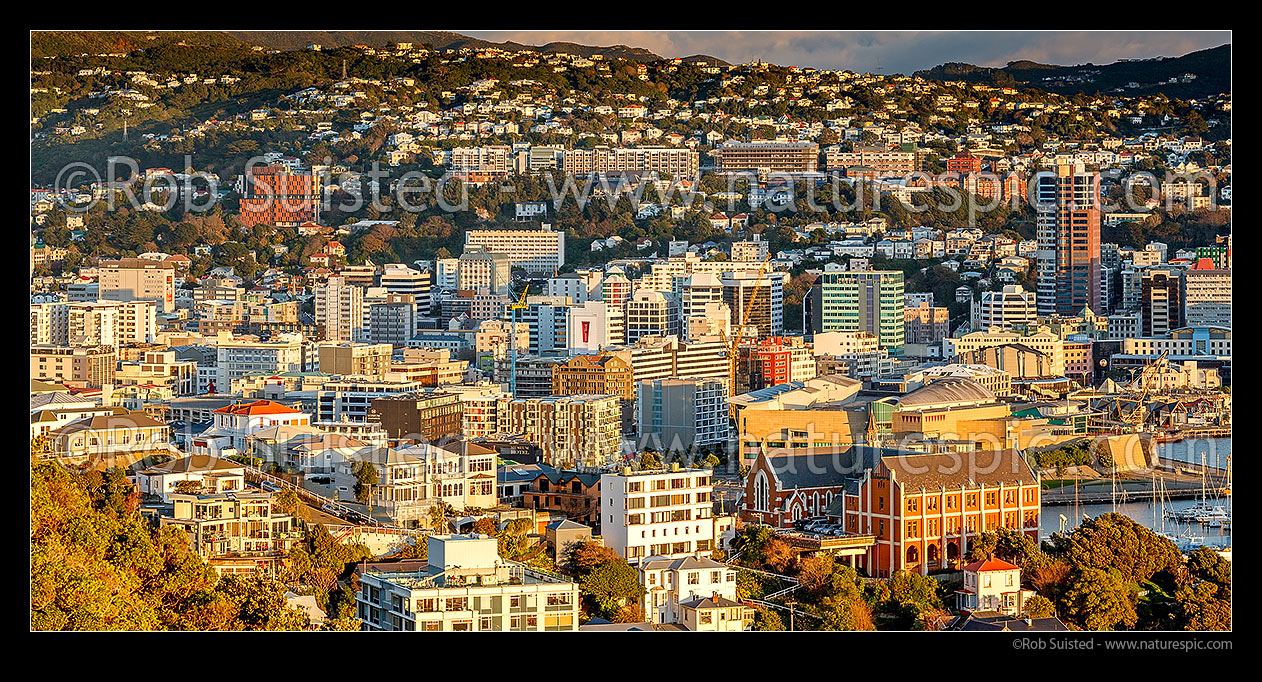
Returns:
(236, 532)
(658, 513)
(464, 585)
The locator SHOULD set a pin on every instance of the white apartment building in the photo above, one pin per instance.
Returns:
(284, 353)
(339, 309)
(446, 273)
(665, 514)
(464, 585)
(104, 323)
(752, 251)
(540, 252)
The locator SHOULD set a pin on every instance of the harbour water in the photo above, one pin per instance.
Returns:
(1215, 450)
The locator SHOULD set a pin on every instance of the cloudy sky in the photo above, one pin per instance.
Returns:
(891, 51)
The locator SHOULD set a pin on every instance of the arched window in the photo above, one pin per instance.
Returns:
(762, 491)
(815, 508)
(932, 553)
(796, 513)
(952, 551)
(913, 555)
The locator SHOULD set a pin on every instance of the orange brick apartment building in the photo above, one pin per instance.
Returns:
(275, 195)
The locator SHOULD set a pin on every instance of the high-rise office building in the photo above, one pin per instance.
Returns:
(1161, 304)
(759, 302)
(1068, 207)
(652, 313)
(861, 300)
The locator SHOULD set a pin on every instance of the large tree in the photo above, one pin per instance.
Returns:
(1097, 599)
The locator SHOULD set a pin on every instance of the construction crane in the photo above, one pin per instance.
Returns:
(1141, 389)
(512, 340)
(739, 332)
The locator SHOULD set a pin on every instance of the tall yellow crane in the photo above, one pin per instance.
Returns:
(739, 332)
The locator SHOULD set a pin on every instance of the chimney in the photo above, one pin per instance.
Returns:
(626, 471)
(674, 467)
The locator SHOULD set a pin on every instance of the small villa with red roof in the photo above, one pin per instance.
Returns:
(993, 585)
(234, 424)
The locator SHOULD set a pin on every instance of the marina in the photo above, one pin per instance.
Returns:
(1203, 518)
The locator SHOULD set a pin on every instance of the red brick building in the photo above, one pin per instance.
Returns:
(574, 494)
(925, 509)
(783, 489)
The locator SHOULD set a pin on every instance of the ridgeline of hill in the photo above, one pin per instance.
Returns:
(1212, 68)
(64, 43)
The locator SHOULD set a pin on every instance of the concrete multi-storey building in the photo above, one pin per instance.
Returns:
(1012, 306)
(93, 366)
(139, 279)
(481, 164)
(103, 323)
(651, 313)
(776, 157)
(481, 270)
(393, 321)
(754, 250)
(678, 162)
(465, 585)
(349, 399)
(682, 414)
(667, 514)
(283, 353)
(1207, 296)
(356, 359)
(540, 251)
(885, 162)
(1068, 235)
(425, 417)
(570, 430)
